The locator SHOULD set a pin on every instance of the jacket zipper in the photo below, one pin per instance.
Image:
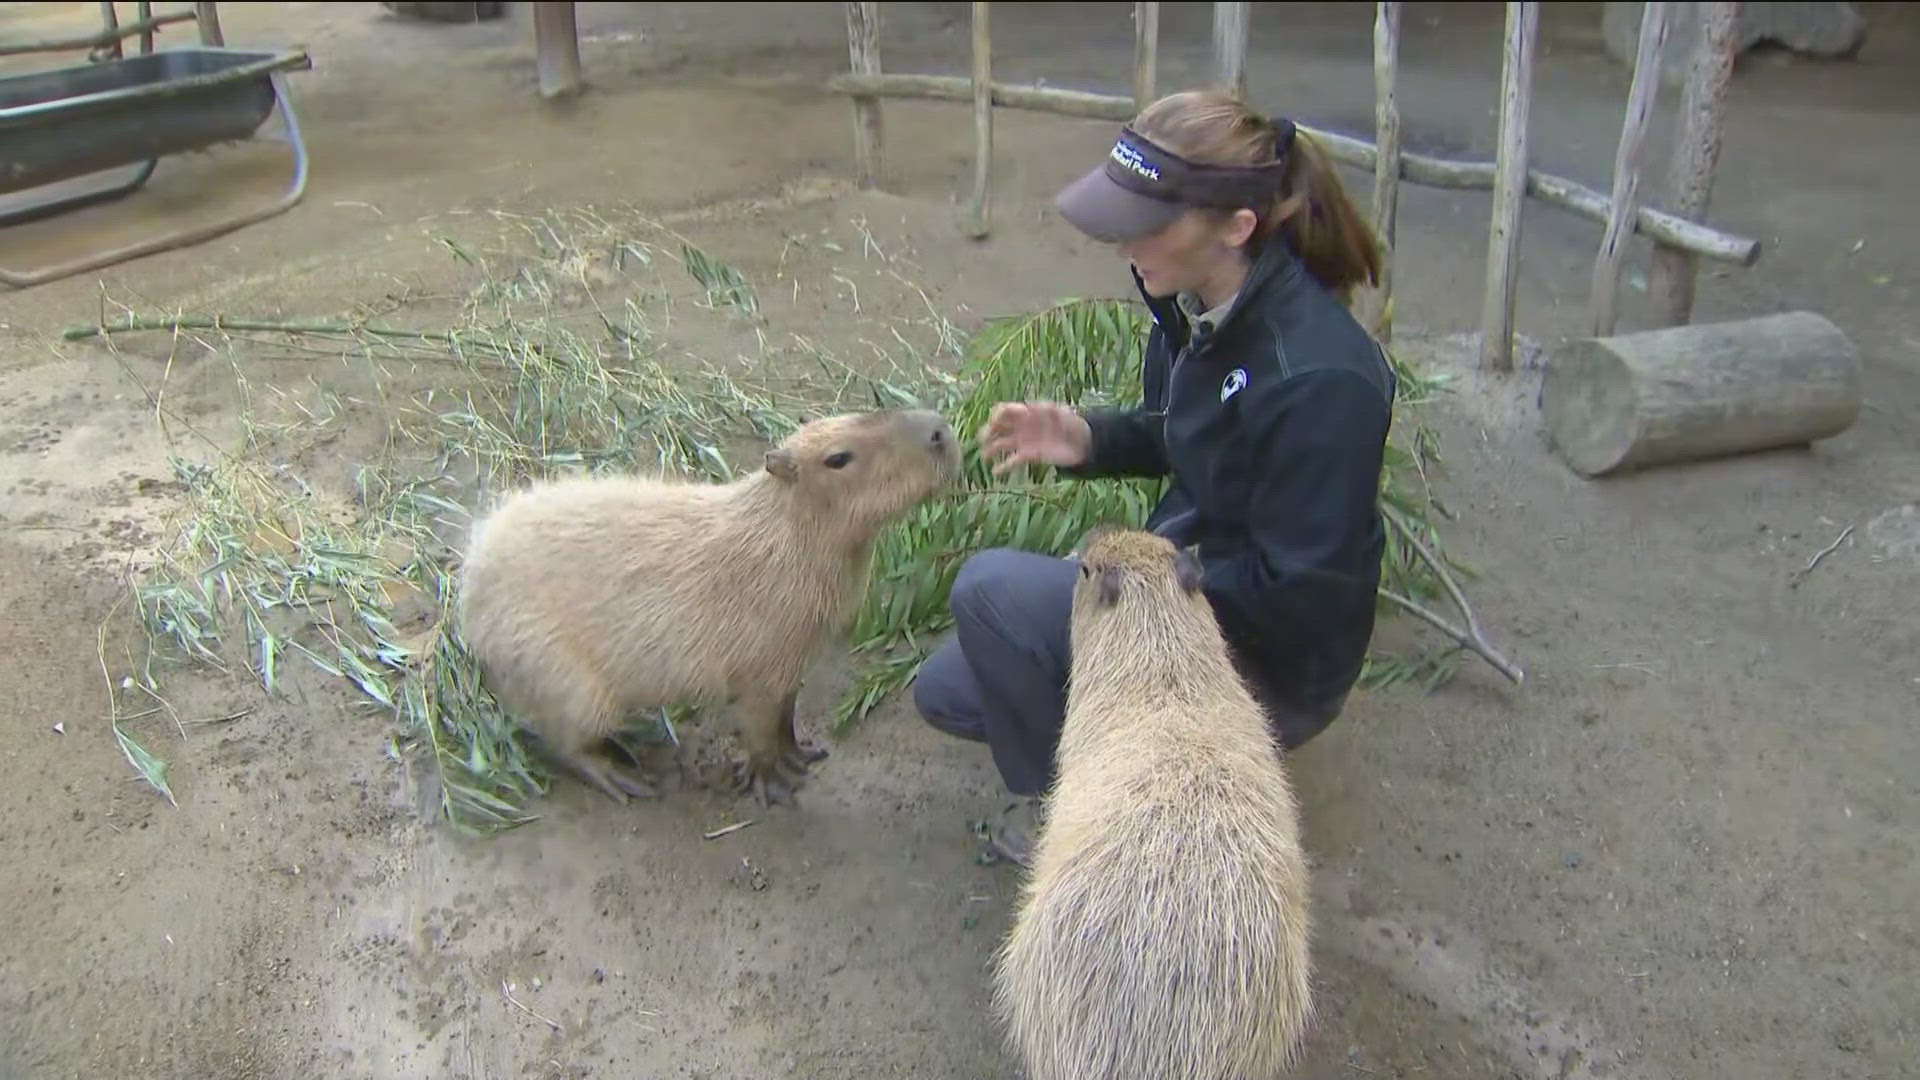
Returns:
(1166, 399)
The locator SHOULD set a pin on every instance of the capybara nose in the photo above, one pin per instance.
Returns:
(939, 431)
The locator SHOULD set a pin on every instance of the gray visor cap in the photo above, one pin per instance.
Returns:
(1141, 188)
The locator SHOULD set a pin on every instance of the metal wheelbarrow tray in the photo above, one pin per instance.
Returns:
(76, 121)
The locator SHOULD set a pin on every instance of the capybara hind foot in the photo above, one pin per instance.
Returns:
(616, 784)
(766, 782)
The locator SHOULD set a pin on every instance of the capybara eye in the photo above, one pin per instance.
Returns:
(839, 460)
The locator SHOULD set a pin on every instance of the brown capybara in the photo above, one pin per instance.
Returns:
(586, 599)
(1162, 932)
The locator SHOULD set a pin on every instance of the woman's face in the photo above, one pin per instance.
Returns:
(1198, 248)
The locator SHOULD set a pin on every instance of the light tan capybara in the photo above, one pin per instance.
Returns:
(1162, 933)
(584, 600)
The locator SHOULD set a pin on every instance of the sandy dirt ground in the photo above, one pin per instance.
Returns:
(1686, 848)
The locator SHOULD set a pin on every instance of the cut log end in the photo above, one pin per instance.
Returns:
(1689, 393)
(1588, 406)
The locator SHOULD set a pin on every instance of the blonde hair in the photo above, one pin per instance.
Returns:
(1325, 229)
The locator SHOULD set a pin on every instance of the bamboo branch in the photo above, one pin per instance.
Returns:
(1471, 635)
(202, 322)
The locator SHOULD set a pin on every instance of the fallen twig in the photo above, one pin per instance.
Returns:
(1470, 636)
(725, 829)
(1801, 575)
(1465, 638)
(506, 991)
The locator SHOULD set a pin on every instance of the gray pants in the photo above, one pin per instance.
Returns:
(1001, 677)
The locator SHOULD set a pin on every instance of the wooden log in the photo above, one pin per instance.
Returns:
(1656, 225)
(1689, 393)
(1695, 154)
(207, 15)
(1509, 186)
(863, 52)
(978, 219)
(1626, 169)
(1386, 168)
(1230, 24)
(556, 47)
(1146, 52)
(142, 11)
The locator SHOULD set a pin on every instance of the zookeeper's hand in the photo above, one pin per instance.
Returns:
(1042, 431)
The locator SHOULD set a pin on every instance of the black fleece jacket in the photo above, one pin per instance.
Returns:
(1273, 426)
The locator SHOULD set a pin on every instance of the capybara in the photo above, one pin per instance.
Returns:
(1162, 933)
(586, 599)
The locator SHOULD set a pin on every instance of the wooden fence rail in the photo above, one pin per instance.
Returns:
(1678, 240)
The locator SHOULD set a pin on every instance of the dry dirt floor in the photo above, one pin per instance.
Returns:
(1686, 847)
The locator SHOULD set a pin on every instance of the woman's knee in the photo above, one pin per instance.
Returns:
(946, 694)
(983, 578)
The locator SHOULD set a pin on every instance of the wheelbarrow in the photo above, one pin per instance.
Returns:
(73, 122)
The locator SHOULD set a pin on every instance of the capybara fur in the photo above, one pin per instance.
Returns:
(1162, 931)
(586, 599)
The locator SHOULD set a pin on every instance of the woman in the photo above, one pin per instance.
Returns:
(1265, 402)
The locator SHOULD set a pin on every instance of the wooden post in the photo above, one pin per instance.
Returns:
(1386, 167)
(556, 48)
(1509, 186)
(1626, 168)
(1146, 52)
(112, 49)
(207, 15)
(863, 48)
(1695, 154)
(1230, 47)
(979, 223)
(143, 11)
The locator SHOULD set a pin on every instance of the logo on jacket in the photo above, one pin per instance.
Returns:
(1235, 382)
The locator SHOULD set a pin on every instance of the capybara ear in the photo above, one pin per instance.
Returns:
(1109, 588)
(1187, 570)
(781, 463)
